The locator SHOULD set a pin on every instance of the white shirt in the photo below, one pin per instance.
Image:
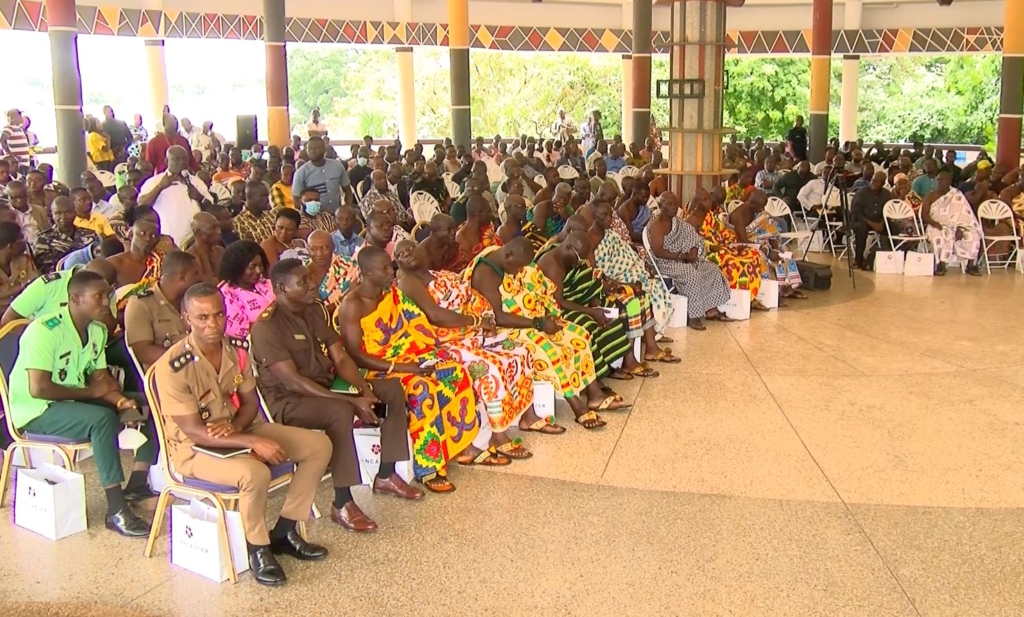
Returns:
(203, 143)
(812, 194)
(108, 208)
(315, 128)
(28, 225)
(820, 167)
(174, 206)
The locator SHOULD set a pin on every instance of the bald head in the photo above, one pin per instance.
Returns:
(319, 239)
(758, 199)
(477, 208)
(576, 222)
(104, 268)
(519, 249)
(578, 242)
(203, 220)
(441, 222)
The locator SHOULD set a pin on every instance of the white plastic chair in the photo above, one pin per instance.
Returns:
(539, 179)
(107, 178)
(733, 205)
(777, 208)
(996, 210)
(832, 202)
(629, 170)
(423, 206)
(568, 172)
(120, 168)
(899, 210)
(221, 192)
(453, 189)
(647, 245)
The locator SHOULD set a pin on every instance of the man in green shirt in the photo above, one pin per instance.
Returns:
(60, 386)
(49, 293)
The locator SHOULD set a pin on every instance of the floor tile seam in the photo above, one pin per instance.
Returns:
(170, 578)
(812, 344)
(835, 489)
(629, 414)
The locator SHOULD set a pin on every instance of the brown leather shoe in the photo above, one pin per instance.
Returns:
(352, 518)
(396, 487)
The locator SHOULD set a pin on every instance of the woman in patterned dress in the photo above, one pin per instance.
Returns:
(245, 286)
(502, 371)
(754, 226)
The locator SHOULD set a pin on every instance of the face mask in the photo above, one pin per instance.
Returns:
(312, 207)
(361, 161)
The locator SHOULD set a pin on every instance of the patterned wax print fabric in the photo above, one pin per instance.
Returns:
(617, 260)
(743, 266)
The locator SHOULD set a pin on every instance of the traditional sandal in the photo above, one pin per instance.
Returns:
(590, 421)
(620, 375)
(515, 450)
(664, 356)
(757, 306)
(642, 370)
(486, 458)
(696, 324)
(661, 338)
(606, 404)
(437, 483)
(544, 426)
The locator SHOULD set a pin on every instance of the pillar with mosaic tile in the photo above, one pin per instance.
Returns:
(67, 90)
(1011, 102)
(278, 122)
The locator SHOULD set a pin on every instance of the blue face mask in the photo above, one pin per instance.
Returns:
(312, 207)
(362, 161)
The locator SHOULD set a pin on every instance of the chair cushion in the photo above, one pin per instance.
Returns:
(55, 439)
(276, 471)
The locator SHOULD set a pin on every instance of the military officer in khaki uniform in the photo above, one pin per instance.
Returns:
(207, 398)
(152, 319)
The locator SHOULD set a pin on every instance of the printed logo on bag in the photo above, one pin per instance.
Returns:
(188, 531)
(890, 257)
(31, 491)
(376, 449)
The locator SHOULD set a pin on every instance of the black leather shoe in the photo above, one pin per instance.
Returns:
(127, 523)
(265, 568)
(142, 493)
(293, 544)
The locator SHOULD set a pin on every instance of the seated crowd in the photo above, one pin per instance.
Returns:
(291, 272)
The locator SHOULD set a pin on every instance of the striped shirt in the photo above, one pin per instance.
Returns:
(17, 143)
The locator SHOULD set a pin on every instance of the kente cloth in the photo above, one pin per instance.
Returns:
(534, 235)
(442, 408)
(563, 359)
(501, 370)
(555, 223)
(743, 266)
(702, 282)
(154, 266)
(762, 230)
(617, 260)
(953, 212)
(608, 343)
(488, 238)
(242, 307)
(341, 274)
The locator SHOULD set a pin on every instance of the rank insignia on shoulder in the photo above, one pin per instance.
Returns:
(241, 343)
(144, 294)
(267, 312)
(52, 322)
(51, 277)
(181, 361)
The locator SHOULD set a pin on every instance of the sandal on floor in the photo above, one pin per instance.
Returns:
(696, 324)
(544, 426)
(606, 404)
(437, 483)
(514, 450)
(796, 294)
(590, 421)
(486, 458)
(642, 370)
(622, 375)
(664, 356)
(757, 306)
(661, 338)
(722, 317)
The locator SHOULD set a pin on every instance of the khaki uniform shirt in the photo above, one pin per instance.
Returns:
(280, 335)
(151, 318)
(187, 383)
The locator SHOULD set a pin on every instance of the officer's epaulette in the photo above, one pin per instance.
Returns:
(241, 343)
(51, 277)
(269, 311)
(52, 322)
(182, 360)
(144, 294)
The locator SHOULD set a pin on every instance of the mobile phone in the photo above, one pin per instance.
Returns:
(381, 410)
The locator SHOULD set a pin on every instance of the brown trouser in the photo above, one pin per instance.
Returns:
(308, 450)
(335, 418)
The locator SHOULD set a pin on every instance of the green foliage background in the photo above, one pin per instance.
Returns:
(949, 99)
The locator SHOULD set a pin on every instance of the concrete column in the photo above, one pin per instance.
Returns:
(158, 94)
(848, 103)
(1011, 101)
(821, 57)
(67, 90)
(641, 128)
(406, 97)
(278, 123)
(627, 95)
(696, 88)
(458, 49)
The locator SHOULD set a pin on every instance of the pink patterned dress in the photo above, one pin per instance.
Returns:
(243, 307)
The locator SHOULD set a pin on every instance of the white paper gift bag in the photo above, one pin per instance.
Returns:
(889, 262)
(768, 294)
(50, 501)
(679, 308)
(738, 306)
(919, 264)
(368, 452)
(196, 545)
(543, 399)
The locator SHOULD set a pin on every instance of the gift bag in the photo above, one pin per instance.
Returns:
(368, 452)
(919, 264)
(543, 399)
(738, 306)
(768, 294)
(196, 545)
(50, 501)
(679, 307)
(889, 262)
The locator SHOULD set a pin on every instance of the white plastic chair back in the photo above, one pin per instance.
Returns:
(777, 208)
(568, 172)
(629, 170)
(453, 189)
(733, 205)
(222, 192)
(107, 178)
(899, 210)
(120, 168)
(539, 179)
(997, 210)
(423, 206)
(994, 210)
(645, 236)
